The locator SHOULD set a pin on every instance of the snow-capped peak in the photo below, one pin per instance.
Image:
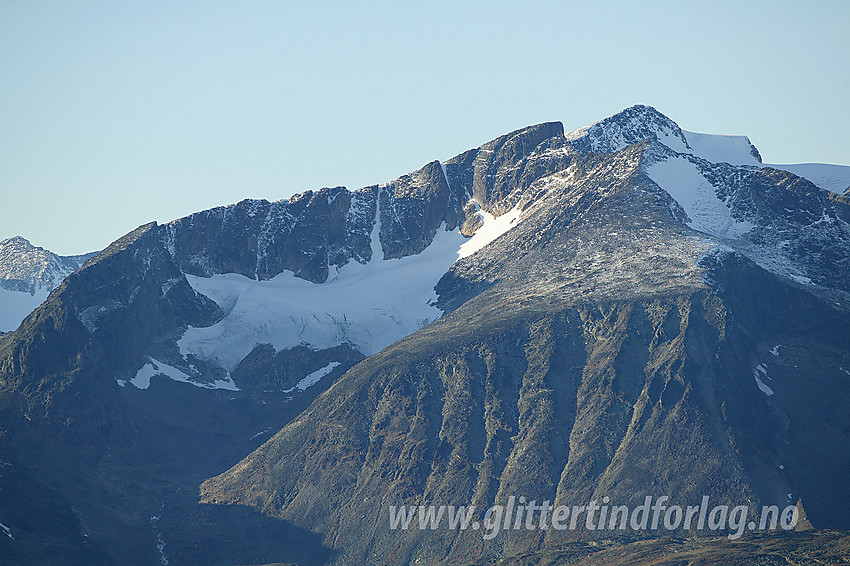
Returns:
(630, 126)
(641, 122)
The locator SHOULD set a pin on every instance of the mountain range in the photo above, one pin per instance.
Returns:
(624, 310)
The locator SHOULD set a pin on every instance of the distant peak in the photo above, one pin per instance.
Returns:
(19, 242)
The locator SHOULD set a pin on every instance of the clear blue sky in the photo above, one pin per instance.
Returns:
(116, 113)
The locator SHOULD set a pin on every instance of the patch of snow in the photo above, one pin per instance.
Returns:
(377, 248)
(368, 306)
(92, 316)
(226, 384)
(775, 349)
(789, 496)
(696, 195)
(160, 543)
(142, 380)
(6, 530)
(674, 142)
(800, 279)
(491, 229)
(121, 382)
(734, 150)
(15, 306)
(445, 175)
(264, 431)
(763, 386)
(781, 467)
(762, 368)
(577, 133)
(833, 178)
(166, 287)
(313, 378)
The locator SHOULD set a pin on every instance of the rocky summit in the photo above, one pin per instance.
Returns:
(623, 311)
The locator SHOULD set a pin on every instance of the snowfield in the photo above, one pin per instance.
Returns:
(697, 196)
(734, 150)
(491, 229)
(142, 380)
(368, 306)
(313, 378)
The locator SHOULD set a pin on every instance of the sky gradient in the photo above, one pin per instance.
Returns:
(113, 114)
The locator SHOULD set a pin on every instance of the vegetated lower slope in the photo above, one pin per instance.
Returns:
(599, 348)
(803, 548)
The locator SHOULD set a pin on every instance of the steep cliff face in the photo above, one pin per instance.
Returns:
(314, 231)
